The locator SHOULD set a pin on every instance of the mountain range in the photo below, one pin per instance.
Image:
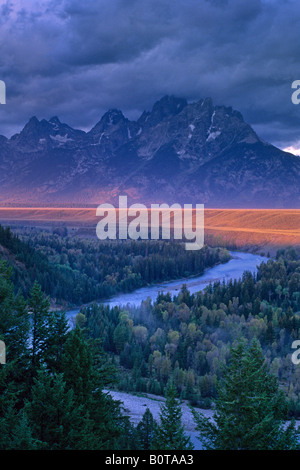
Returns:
(177, 152)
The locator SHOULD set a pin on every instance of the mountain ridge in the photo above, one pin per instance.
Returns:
(177, 152)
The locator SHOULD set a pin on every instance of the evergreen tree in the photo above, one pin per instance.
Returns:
(10, 417)
(21, 437)
(250, 408)
(87, 383)
(169, 433)
(15, 431)
(128, 439)
(14, 331)
(57, 336)
(77, 366)
(14, 320)
(56, 420)
(145, 430)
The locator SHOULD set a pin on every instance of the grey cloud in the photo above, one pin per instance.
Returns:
(77, 59)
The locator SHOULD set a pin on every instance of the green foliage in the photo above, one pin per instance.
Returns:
(78, 270)
(55, 419)
(14, 320)
(145, 430)
(250, 408)
(169, 433)
(51, 388)
(189, 336)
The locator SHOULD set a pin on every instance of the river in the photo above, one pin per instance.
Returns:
(233, 269)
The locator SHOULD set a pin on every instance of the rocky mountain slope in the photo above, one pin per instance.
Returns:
(177, 152)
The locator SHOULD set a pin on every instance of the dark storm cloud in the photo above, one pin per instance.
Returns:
(76, 59)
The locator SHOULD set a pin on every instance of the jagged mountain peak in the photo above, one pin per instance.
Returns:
(33, 120)
(113, 117)
(178, 151)
(109, 123)
(171, 104)
(52, 133)
(32, 123)
(54, 120)
(30, 132)
(166, 107)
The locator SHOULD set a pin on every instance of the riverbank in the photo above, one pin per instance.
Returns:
(232, 269)
(135, 406)
(180, 280)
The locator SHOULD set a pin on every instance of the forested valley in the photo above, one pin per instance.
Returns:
(76, 270)
(52, 386)
(188, 337)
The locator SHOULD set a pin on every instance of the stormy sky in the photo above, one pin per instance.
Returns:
(76, 59)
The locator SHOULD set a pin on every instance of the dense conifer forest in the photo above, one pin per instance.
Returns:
(187, 347)
(189, 336)
(78, 270)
